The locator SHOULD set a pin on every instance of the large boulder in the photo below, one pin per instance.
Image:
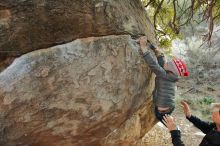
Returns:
(27, 25)
(90, 92)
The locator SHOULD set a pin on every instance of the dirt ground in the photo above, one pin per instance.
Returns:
(199, 97)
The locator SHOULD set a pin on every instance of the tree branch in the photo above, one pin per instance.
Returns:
(215, 17)
(210, 20)
(199, 21)
(156, 12)
(191, 7)
(148, 3)
(162, 32)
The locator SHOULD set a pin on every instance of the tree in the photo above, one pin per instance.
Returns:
(169, 16)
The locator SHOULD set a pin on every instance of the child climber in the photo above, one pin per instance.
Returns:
(167, 74)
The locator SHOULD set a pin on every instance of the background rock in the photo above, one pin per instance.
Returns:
(79, 93)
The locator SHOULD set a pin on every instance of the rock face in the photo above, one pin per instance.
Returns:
(90, 92)
(27, 25)
(93, 91)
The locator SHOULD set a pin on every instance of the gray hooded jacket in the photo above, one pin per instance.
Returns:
(164, 92)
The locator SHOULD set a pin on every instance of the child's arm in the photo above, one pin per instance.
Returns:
(153, 64)
(159, 55)
(150, 60)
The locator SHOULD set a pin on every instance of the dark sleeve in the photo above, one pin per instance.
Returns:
(176, 138)
(153, 64)
(161, 60)
(205, 127)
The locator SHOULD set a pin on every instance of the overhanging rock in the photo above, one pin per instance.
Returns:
(27, 25)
